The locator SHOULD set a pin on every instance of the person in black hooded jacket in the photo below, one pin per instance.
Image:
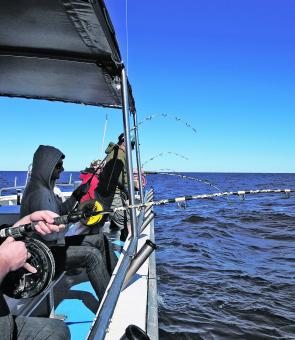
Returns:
(39, 193)
(90, 251)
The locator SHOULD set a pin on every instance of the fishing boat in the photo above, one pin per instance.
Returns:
(67, 51)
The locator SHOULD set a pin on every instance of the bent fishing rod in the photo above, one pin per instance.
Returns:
(240, 193)
(22, 230)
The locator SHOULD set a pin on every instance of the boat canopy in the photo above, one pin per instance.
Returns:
(61, 50)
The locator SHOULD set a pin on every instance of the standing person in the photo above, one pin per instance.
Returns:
(90, 251)
(13, 255)
(112, 190)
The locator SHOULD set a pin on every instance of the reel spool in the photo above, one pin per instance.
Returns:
(91, 206)
(21, 284)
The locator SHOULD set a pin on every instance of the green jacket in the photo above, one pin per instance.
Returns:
(113, 178)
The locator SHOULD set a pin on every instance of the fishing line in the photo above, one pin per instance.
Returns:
(104, 133)
(163, 153)
(127, 35)
(177, 174)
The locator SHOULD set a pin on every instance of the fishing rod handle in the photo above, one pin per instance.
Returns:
(21, 230)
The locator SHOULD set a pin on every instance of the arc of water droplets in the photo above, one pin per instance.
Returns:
(162, 154)
(166, 115)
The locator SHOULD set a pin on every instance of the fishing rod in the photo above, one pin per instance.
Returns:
(162, 154)
(22, 230)
(240, 193)
(23, 286)
(166, 115)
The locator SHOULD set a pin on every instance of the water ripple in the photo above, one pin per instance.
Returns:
(226, 267)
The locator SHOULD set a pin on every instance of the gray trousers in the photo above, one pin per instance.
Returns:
(32, 328)
(92, 252)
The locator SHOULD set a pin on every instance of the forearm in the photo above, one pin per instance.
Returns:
(4, 269)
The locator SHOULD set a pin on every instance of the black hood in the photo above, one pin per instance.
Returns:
(45, 159)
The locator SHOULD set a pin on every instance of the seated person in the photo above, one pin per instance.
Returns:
(89, 251)
(39, 194)
(13, 255)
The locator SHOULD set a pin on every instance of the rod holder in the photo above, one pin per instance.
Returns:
(133, 332)
(147, 210)
(147, 221)
(150, 192)
(138, 260)
(149, 198)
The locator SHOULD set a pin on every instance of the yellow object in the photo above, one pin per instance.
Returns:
(97, 218)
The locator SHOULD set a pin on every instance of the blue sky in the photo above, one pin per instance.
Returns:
(225, 67)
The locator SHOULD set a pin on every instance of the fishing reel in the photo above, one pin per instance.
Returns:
(21, 284)
(88, 210)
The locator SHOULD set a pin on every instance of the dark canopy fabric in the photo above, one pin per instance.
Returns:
(63, 50)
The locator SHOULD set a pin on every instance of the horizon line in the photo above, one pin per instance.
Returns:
(213, 172)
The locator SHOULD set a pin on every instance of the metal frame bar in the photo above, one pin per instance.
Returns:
(103, 318)
(152, 317)
(36, 301)
(100, 326)
(103, 59)
(21, 187)
(105, 313)
(138, 160)
(128, 151)
(50, 304)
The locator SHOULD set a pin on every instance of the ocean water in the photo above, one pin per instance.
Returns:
(226, 267)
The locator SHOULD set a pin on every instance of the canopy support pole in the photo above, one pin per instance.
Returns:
(139, 170)
(128, 150)
(103, 317)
